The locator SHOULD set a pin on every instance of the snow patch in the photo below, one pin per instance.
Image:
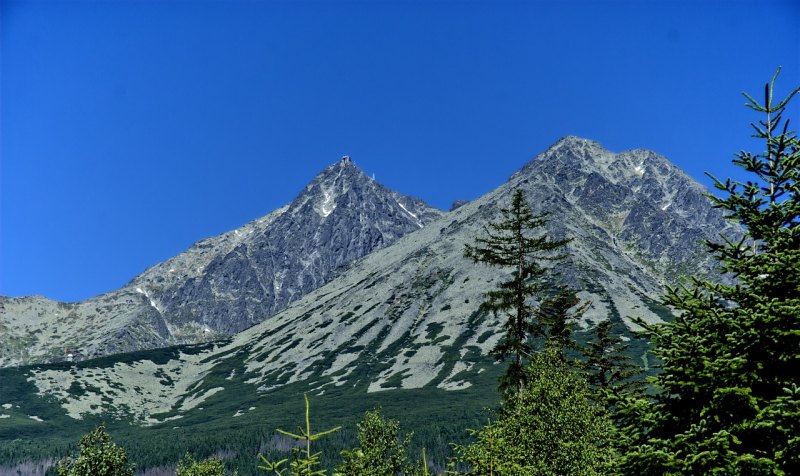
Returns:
(419, 223)
(664, 208)
(35, 418)
(639, 169)
(7, 405)
(147, 295)
(329, 204)
(4, 416)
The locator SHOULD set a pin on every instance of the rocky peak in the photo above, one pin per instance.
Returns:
(226, 283)
(636, 198)
(340, 216)
(329, 185)
(343, 192)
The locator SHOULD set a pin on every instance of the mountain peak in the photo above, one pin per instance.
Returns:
(343, 168)
(572, 157)
(578, 147)
(575, 141)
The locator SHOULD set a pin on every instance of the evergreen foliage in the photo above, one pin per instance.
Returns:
(608, 368)
(727, 400)
(557, 315)
(551, 427)
(305, 463)
(188, 466)
(507, 243)
(99, 456)
(382, 452)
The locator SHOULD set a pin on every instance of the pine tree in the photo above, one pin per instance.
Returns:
(381, 452)
(305, 463)
(557, 315)
(728, 399)
(607, 366)
(508, 243)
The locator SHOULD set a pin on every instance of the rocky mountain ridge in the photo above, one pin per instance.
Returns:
(406, 316)
(224, 284)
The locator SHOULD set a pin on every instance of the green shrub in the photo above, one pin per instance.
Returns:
(551, 427)
(99, 456)
(188, 466)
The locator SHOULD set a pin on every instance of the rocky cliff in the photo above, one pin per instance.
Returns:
(224, 284)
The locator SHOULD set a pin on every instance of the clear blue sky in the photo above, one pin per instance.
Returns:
(131, 129)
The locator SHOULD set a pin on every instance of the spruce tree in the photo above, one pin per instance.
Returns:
(382, 451)
(305, 462)
(557, 315)
(727, 399)
(607, 366)
(508, 243)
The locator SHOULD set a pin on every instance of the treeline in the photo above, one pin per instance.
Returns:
(726, 398)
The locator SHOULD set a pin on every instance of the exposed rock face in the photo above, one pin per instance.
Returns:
(457, 204)
(407, 315)
(640, 202)
(341, 216)
(636, 221)
(224, 284)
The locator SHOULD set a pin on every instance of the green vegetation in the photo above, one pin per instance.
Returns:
(550, 427)
(507, 243)
(381, 451)
(188, 466)
(305, 463)
(727, 398)
(100, 456)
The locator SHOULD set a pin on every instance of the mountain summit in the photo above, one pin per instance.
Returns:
(407, 316)
(339, 217)
(223, 284)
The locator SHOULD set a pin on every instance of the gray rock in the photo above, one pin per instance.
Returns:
(406, 315)
(224, 284)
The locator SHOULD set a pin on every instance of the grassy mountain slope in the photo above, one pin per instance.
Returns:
(398, 327)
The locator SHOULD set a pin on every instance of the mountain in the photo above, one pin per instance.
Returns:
(224, 284)
(398, 327)
(406, 315)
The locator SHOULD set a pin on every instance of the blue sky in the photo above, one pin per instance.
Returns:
(131, 129)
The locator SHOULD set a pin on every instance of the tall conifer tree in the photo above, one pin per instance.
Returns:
(728, 400)
(558, 315)
(607, 366)
(509, 243)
